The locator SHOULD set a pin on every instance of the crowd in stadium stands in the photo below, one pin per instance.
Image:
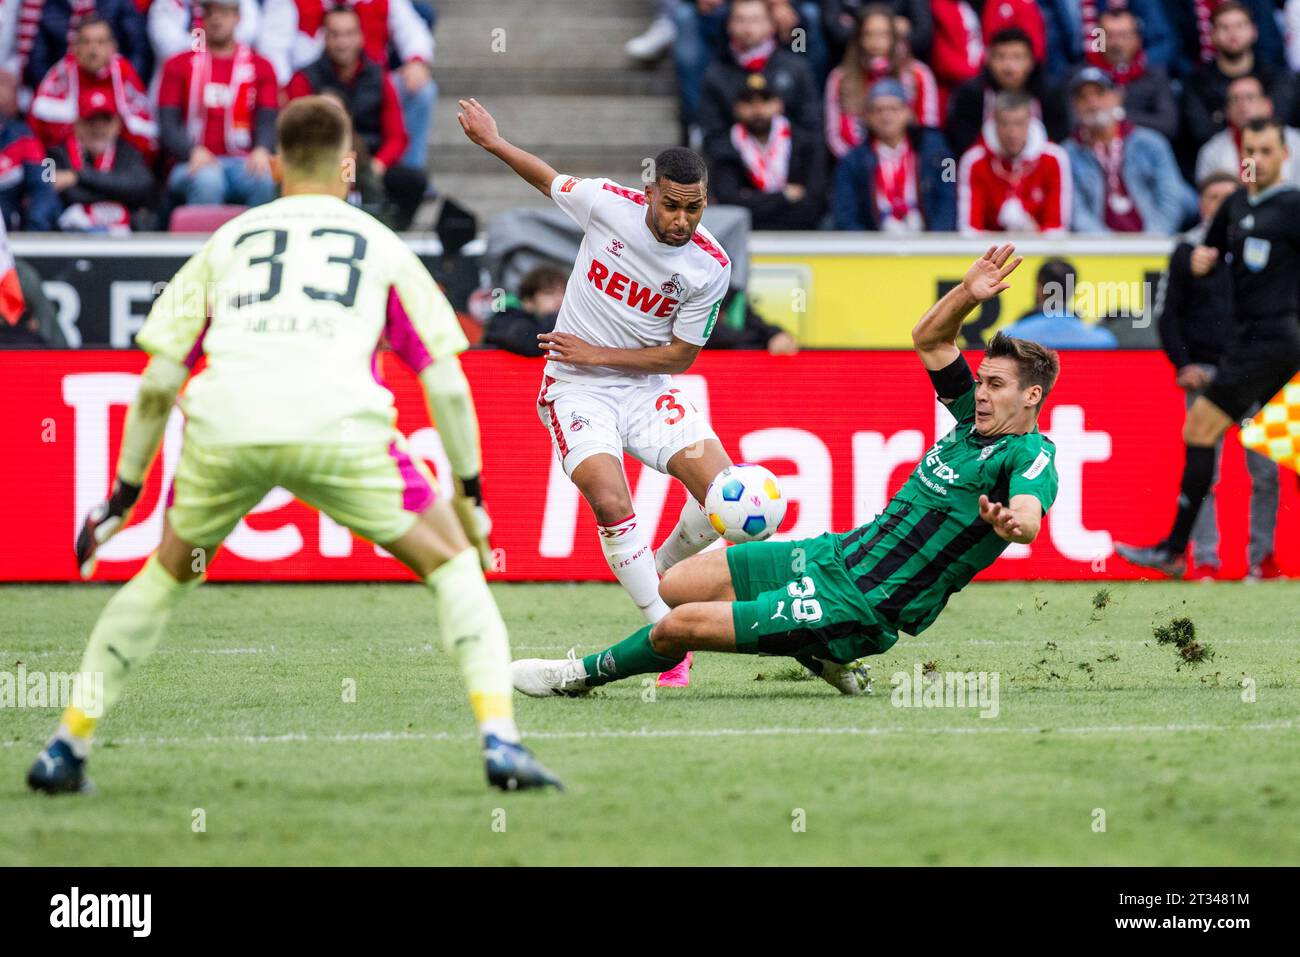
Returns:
(115, 113)
(903, 116)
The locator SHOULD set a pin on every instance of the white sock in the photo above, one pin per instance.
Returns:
(630, 559)
(692, 535)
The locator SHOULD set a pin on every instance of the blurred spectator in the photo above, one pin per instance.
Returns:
(752, 48)
(292, 38)
(101, 179)
(1159, 40)
(47, 29)
(516, 325)
(93, 70)
(1023, 15)
(899, 180)
(740, 326)
(1014, 179)
(171, 25)
(27, 198)
(1222, 152)
(1010, 69)
(958, 51)
(799, 29)
(368, 96)
(1053, 322)
(217, 111)
(1233, 36)
(1195, 317)
(840, 24)
(704, 30)
(1193, 26)
(1062, 22)
(1125, 176)
(770, 167)
(875, 55)
(1148, 98)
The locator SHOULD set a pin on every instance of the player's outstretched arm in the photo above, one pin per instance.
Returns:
(935, 336)
(482, 130)
(146, 421)
(1017, 522)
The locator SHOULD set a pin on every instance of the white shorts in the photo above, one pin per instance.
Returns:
(652, 422)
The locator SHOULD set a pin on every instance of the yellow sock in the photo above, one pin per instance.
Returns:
(473, 633)
(125, 635)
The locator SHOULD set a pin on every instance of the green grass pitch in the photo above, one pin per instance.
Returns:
(1107, 748)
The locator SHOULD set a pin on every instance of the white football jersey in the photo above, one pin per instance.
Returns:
(628, 290)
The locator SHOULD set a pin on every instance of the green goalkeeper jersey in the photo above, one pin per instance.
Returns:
(930, 540)
(290, 303)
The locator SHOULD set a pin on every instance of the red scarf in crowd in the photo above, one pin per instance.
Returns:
(106, 216)
(1121, 213)
(755, 58)
(768, 164)
(1121, 74)
(58, 102)
(238, 116)
(895, 182)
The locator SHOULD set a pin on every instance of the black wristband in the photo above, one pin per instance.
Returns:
(123, 496)
(954, 380)
(472, 488)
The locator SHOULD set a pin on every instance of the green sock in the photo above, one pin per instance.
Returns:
(631, 656)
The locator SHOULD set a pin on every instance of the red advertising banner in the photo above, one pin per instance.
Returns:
(841, 429)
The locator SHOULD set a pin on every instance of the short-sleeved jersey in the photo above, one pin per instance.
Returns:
(930, 540)
(290, 302)
(628, 290)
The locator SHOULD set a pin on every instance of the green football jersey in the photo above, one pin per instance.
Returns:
(930, 540)
(290, 303)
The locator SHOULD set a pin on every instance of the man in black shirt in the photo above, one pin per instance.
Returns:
(1195, 320)
(1257, 232)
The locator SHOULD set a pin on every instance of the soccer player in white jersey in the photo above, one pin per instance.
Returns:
(640, 303)
(290, 302)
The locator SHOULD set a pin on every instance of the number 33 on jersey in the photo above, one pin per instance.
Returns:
(289, 302)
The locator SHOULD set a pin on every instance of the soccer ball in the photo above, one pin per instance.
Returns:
(744, 503)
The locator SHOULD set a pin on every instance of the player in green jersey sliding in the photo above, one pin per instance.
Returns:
(830, 601)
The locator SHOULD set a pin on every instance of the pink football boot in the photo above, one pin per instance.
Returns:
(679, 675)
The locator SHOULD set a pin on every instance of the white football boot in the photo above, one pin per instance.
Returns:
(851, 679)
(550, 678)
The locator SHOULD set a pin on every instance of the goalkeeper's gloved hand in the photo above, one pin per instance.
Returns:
(474, 519)
(103, 522)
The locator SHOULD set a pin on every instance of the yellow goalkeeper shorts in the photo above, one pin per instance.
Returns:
(375, 490)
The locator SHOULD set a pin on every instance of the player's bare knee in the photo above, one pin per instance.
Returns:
(669, 633)
(674, 584)
(610, 509)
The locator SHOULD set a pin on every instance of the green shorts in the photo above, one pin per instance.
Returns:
(375, 490)
(797, 598)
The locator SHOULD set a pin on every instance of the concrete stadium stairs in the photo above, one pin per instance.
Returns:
(562, 87)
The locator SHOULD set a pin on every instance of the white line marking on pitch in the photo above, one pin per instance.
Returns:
(300, 737)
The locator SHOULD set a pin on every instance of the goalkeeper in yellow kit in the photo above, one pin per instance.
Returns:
(290, 302)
